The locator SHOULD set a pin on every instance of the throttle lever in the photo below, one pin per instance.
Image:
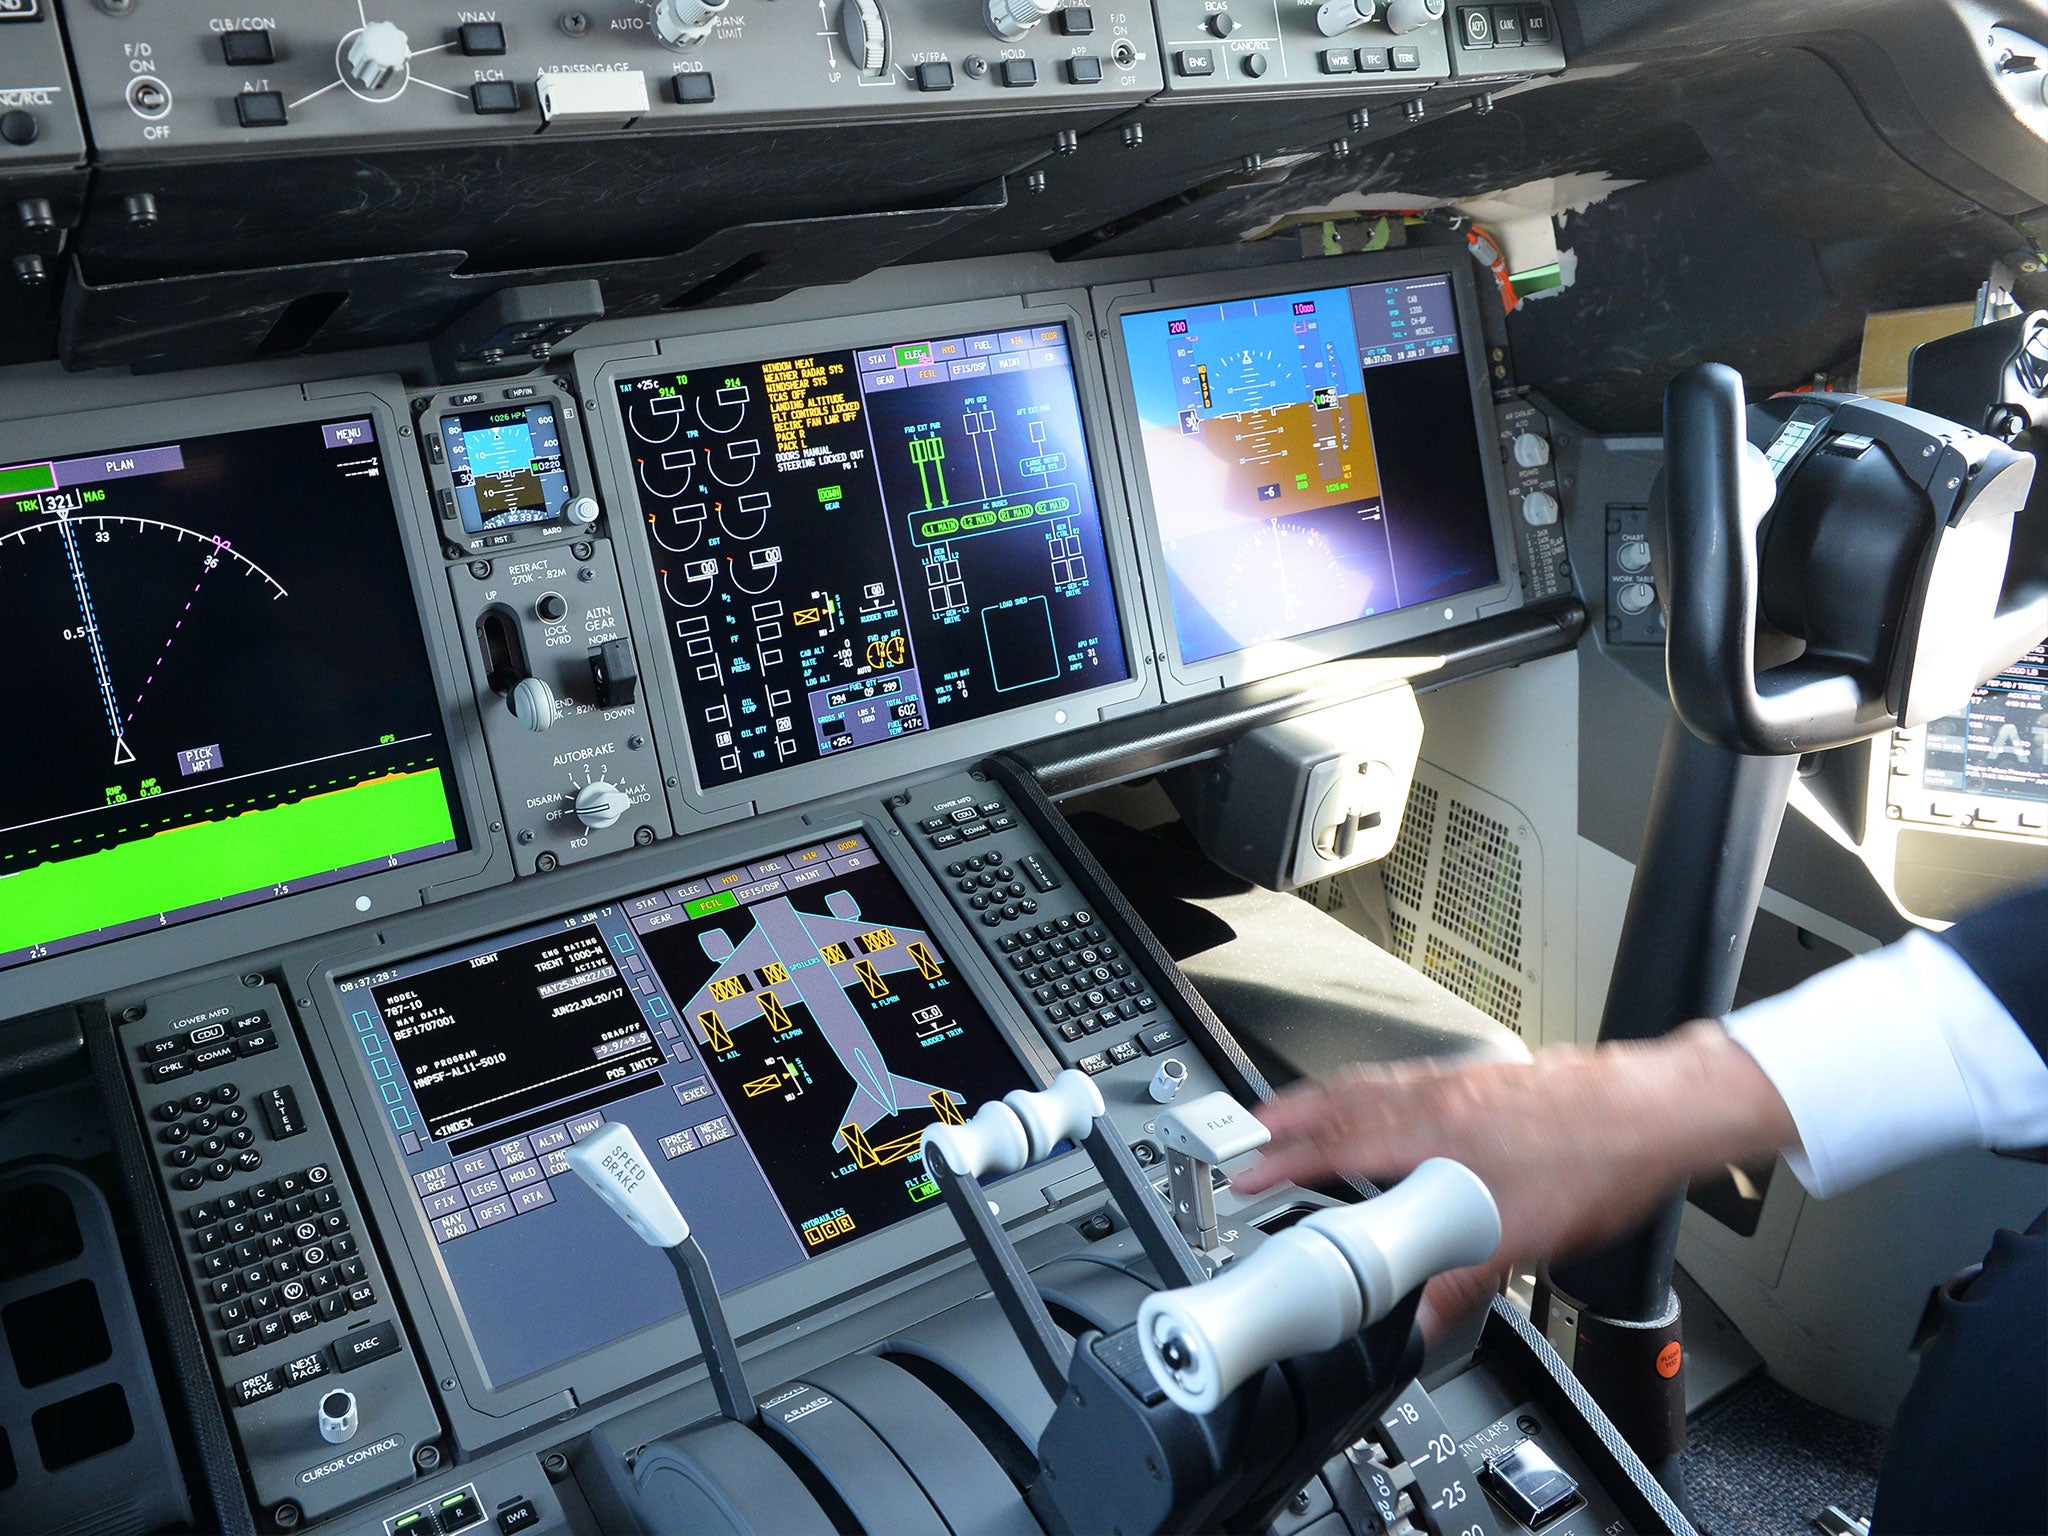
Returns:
(1309, 1288)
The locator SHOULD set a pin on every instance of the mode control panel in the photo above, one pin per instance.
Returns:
(1074, 978)
(320, 1382)
(175, 80)
(1322, 45)
(1527, 456)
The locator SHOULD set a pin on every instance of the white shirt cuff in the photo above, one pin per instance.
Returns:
(1892, 1057)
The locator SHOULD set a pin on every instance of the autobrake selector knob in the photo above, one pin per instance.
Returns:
(1413, 15)
(377, 53)
(686, 23)
(1011, 19)
(600, 805)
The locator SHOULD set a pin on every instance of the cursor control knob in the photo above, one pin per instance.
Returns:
(377, 54)
(338, 1417)
(599, 805)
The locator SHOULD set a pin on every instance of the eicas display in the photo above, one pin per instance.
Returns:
(857, 546)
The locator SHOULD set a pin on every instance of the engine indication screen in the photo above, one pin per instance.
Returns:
(777, 1035)
(858, 546)
(506, 466)
(201, 740)
(1313, 459)
(1998, 746)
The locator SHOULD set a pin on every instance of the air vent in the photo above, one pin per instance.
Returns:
(1463, 887)
(1406, 869)
(1479, 886)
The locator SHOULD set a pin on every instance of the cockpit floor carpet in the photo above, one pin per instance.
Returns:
(1763, 1462)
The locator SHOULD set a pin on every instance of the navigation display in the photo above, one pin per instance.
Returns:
(506, 466)
(858, 546)
(1998, 746)
(1313, 459)
(777, 1035)
(214, 646)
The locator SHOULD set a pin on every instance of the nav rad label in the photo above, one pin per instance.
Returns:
(354, 1458)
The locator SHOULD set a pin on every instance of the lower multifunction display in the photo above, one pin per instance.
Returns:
(1998, 746)
(506, 465)
(1313, 459)
(216, 655)
(779, 1033)
(856, 546)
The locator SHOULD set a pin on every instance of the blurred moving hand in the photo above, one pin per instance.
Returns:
(1578, 1146)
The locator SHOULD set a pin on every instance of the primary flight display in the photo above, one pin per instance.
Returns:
(1312, 458)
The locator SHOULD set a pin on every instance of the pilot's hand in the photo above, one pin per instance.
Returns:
(1577, 1146)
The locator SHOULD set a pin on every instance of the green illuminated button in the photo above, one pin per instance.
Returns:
(831, 492)
(704, 906)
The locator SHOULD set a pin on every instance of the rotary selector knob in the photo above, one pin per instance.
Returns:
(1635, 597)
(1633, 556)
(581, 510)
(1413, 15)
(866, 35)
(1531, 451)
(1011, 19)
(533, 702)
(1338, 16)
(1539, 509)
(377, 54)
(599, 805)
(686, 23)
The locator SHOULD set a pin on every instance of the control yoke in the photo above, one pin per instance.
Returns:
(1831, 566)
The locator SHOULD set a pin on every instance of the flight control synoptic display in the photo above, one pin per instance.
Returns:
(778, 1035)
(1313, 459)
(855, 546)
(203, 738)
(1998, 745)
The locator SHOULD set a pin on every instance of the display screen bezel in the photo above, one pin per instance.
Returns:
(1273, 658)
(597, 375)
(899, 1254)
(322, 909)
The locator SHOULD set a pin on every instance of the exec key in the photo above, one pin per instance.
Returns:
(359, 1346)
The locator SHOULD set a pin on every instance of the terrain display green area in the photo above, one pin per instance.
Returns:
(189, 866)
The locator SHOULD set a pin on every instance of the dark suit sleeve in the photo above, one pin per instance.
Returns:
(2007, 946)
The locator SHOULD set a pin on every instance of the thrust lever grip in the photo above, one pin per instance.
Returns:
(1309, 1288)
(1022, 1128)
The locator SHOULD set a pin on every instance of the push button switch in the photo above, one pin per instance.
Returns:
(248, 48)
(261, 109)
(492, 97)
(481, 39)
(935, 75)
(1020, 72)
